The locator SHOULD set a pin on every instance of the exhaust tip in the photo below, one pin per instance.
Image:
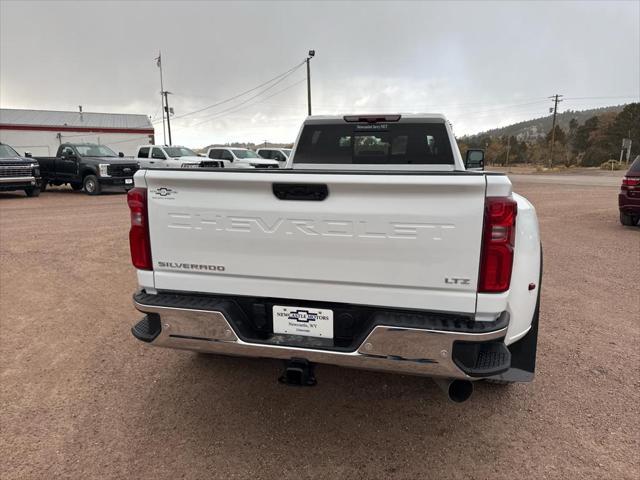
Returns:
(457, 391)
(460, 390)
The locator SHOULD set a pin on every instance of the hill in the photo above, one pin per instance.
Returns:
(537, 128)
(587, 138)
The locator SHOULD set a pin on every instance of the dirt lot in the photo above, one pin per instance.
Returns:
(82, 399)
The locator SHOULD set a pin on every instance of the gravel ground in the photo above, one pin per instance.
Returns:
(80, 398)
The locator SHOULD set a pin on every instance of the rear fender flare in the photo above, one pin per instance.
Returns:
(527, 271)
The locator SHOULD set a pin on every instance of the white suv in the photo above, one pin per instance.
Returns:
(233, 157)
(280, 155)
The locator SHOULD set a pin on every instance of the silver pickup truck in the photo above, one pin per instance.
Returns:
(375, 248)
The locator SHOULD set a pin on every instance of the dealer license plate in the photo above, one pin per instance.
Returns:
(309, 322)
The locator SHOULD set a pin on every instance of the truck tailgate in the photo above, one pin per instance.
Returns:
(400, 240)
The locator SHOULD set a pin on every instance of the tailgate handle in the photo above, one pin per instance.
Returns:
(315, 192)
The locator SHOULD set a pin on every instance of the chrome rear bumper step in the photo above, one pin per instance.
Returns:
(415, 351)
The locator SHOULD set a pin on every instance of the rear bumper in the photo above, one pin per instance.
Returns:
(629, 205)
(441, 352)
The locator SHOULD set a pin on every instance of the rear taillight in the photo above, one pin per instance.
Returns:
(630, 183)
(139, 233)
(498, 239)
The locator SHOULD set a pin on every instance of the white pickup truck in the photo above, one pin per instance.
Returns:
(165, 156)
(235, 157)
(374, 249)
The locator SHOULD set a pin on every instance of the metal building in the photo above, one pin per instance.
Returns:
(42, 131)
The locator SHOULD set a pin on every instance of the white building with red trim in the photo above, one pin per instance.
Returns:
(40, 132)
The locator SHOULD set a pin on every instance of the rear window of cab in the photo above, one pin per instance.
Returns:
(375, 144)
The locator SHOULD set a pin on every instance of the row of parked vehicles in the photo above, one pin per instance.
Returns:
(96, 168)
(163, 156)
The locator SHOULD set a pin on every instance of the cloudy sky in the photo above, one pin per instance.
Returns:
(483, 64)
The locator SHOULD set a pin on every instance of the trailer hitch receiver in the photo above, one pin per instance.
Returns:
(298, 372)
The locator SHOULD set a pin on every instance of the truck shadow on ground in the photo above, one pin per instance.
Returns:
(238, 401)
(16, 194)
(55, 191)
(69, 191)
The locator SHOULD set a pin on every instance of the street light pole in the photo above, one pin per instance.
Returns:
(159, 64)
(311, 54)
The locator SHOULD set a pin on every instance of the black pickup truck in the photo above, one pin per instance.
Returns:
(18, 172)
(87, 166)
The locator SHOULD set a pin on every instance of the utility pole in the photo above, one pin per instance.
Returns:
(159, 64)
(312, 53)
(556, 99)
(508, 150)
(166, 103)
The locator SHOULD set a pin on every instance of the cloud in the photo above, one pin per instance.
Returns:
(480, 63)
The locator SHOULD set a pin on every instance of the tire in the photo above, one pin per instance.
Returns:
(628, 220)
(76, 186)
(32, 191)
(91, 185)
(43, 185)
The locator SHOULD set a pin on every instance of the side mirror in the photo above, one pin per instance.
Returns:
(474, 159)
(28, 154)
(120, 154)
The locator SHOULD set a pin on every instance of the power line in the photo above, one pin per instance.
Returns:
(244, 102)
(280, 77)
(601, 98)
(425, 106)
(488, 111)
(241, 107)
(498, 106)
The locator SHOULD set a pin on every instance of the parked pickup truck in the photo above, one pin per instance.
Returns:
(164, 156)
(232, 157)
(374, 249)
(18, 172)
(280, 155)
(87, 166)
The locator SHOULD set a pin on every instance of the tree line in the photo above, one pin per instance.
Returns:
(589, 144)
